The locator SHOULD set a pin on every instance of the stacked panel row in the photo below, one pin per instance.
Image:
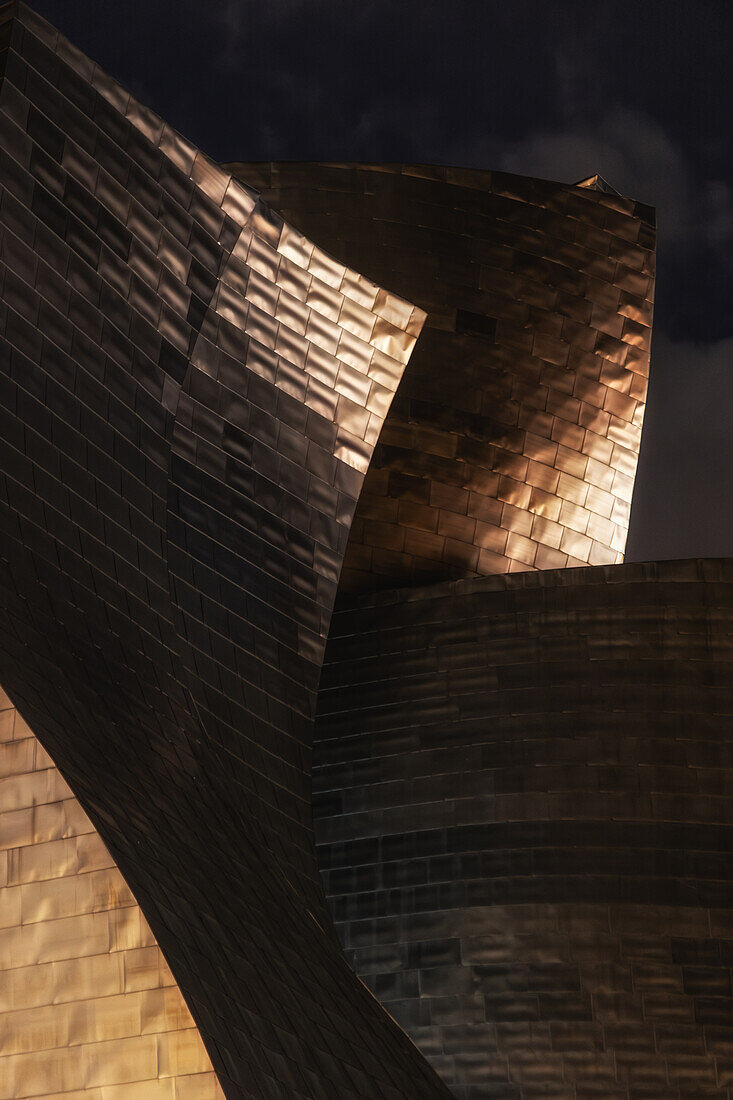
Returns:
(514, 438)
(522, 796)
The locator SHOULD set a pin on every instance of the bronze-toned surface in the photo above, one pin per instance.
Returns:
(88, 1006)
(513, 441)
(522, 783)
(523, 795)
(190, 392)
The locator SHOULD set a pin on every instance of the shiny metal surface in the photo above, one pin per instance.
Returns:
(522, 798)
(522, 780)
(88, 1006)
(190, 392)
(514, 438)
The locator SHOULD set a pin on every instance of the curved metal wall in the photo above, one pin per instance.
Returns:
(513, 441)
(522, 797)
(88, 1006)
(189, 395)
(522, 781)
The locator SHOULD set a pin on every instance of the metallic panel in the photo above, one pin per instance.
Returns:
(514, 438)
(190, 392)
(522, 797)
(87, 1002)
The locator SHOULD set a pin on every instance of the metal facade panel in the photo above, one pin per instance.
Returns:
(522, 799)
(514, 438)
(87, 1002)
(190, 392)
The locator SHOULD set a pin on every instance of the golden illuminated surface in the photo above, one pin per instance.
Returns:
(513, 441)
(88, 1007)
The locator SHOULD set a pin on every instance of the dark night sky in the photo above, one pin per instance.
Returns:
(638, 91)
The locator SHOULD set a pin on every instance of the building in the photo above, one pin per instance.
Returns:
(190, 394)
(523, 808)
(521, 744)
(513, 440)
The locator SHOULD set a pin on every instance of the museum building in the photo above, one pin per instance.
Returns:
(342, 756)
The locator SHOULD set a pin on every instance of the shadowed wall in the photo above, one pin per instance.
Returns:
(523, 809)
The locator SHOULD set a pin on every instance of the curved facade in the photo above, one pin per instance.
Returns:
(513, 441)
(88, 1006)
(521, 783)
(522, 795)
(190, 394)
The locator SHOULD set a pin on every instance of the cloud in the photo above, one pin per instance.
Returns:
(630, 150)
(684, 487)
(637, 156)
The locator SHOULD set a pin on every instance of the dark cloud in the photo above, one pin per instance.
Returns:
(684, 489)
(632, 151)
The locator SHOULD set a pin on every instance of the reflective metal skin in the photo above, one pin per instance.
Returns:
(523, 796)
(190, 392)
(88, 1006)
(513, 441)
(522, 782)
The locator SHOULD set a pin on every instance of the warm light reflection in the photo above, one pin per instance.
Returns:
(88, 1005)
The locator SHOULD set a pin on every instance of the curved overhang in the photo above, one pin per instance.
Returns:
(514, 438)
